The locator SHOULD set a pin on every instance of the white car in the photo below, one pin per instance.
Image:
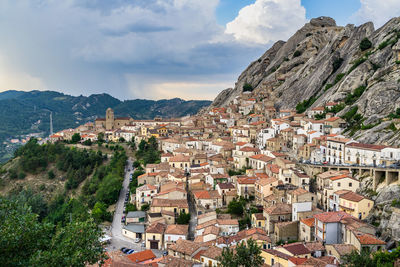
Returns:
(137, 240)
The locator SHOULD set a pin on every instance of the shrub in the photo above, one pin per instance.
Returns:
(351, 98)
(350, 114)
(383, 44)
(397, 62)
(75, 138)
(297, 53)
(183, 218)
(247, 87)
(21, 175)
(365, 44)
(357, 63)
(338, 78)
(13, 174)
(392, 127)
(51, 175)
(303, 106)
(145, 207)
(328, 86)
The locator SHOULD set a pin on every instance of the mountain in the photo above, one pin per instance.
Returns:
(29, 112)
(323, 62)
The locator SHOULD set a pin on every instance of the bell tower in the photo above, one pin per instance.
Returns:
(109, 119)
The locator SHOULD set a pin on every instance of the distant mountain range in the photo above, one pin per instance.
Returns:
(28, 112)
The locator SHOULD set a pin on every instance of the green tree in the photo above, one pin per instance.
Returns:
(183, 218)
(100, 138)
(109, 189)
(121, 140)
(247, 87)
(75, 138)
(247, 255)
(365, 44)
(100, 213)
(77, 244)
(355, 259)
(130, 207)
(235, 207)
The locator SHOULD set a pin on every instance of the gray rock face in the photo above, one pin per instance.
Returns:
(322, 45)
(387, 194)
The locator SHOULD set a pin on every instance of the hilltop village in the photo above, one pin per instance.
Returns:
(293, 183)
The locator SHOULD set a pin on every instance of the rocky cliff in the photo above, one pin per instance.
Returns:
(324, 62)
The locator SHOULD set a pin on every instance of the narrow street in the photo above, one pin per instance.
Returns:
(117, 239)
(193, 214)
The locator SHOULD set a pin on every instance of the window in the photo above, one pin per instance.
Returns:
(338, 184)
(350, 184)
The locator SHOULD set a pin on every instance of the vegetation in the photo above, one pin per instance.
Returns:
(247, 87)
(145, 207)
(352, 98)
(183, 218)
(297, 53)
(395, 115)
(236, 207)
(338, 78)
(328, 86)
(245, 255)
(358, 62)
(366, 259)
(392, 127)
(365, 44)
(27, 241)
(303, 106)
(75, 138)
(148, 152)
(336, 64)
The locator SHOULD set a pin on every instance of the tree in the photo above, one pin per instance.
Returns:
(355, 259)
(87, 142)
(121, 140)
(235, 207)
(247, 87)
(75, 138)
(77, 244)
(246, 255)
(100, 213)
(145, 207)
(183, 218)
(100, 138)
(109, 189)
(365, 44)
(130, 207)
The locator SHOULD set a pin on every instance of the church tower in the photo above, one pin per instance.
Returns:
(109, 119)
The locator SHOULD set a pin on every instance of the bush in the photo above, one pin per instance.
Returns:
(236, 207)
(338, 78)
(328, 86)
(303, 106)
(75, 138)
(383, 44)
(357, 63)
(352, 98)
(13, 174)
(87, 142)
(397, 62)
(247, 87)
(145, 207)
(51, 175)
(183, 218)
(392, 127)
(365, 44)
(130, 207)
(21, 175)
(350, 114)
(297, 53)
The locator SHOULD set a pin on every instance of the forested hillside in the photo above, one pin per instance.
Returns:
(29, 112)
(53, 198)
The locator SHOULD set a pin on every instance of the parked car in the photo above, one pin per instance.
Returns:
(130, 251)
(123, 219)
(124, 250)
(165, 253)
(143, 244)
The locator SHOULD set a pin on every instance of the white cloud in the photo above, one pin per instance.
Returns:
(267, 21)
(377, 11)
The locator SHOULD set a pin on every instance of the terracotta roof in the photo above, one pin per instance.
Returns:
(213, 230)
(259, 216)
(170, 261)
(297, 261)
(309, 221)
(351, 196)
(159, 202)
(262, 157)
(366, 146)
(246, 180)
(344, 249)
(185, 247)
(212, 253)
(213, 194)
(331, 217)
(279, 209)
(299, 191)
(226, 185)
(314, 246)
(142, 256)
(227, 222)
(296, 249)
(278, 253)
(367, 239)
(177, 229)
(179, 158)
(156, 228)
(249, 149)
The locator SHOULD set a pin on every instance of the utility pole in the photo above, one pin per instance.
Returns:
(51, 123)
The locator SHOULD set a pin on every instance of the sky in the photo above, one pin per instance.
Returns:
(153, 49)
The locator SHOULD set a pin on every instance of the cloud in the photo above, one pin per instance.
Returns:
(141, 48)
(267, 21)
(379, 12)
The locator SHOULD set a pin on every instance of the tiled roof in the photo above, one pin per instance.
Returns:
(278, 253)
(213, 253)
(332, 216)
(309, 221)
(296, 249)
(351, 196)
(314, 246)
(159, 202)
(246, 180)
(156, 228)
(344, 249)
(299, 191)
(141, 256)
(367, 239)
(177, 229)
(185, 247)
(366, 146)
(262, 157)
(279, 209)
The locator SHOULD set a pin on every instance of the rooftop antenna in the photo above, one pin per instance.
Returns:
(51, 123)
